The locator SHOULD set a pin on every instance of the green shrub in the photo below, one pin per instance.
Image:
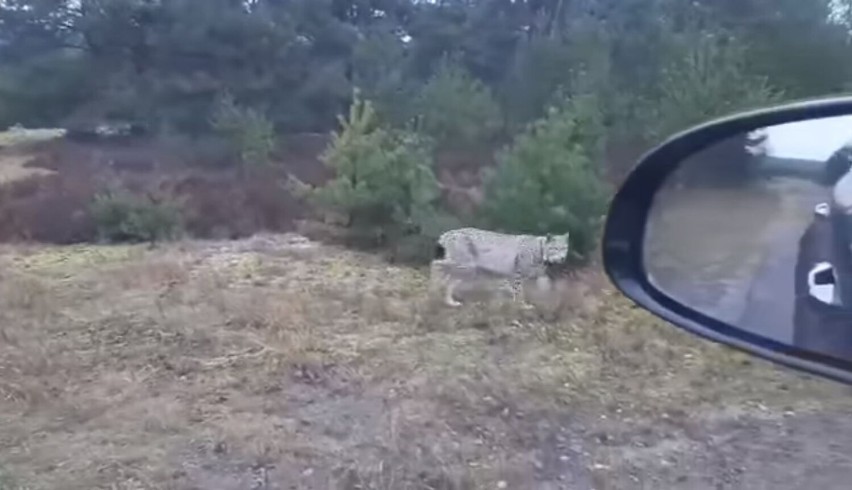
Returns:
(206, 150)
(43, 89)
(249, 132)
(457, 110)
(548, 180)
(709, 76)
(123, 218)
(419, 248)
(384, 183)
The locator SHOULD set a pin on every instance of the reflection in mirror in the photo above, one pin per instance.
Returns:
(756, 231)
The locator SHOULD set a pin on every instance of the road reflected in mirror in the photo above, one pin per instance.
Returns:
(756, 231)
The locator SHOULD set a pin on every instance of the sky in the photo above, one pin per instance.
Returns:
(816, 139)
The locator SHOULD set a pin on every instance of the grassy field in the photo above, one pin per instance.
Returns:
(276, 363)
(270, 363)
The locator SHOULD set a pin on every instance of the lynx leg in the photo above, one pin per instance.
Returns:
(518, 293)
(441, 278)
(437, 277)
(449, 300)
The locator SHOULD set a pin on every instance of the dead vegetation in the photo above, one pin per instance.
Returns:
(47, 185)
(271, 363)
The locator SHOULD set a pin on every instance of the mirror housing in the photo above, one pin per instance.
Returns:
(625, 229)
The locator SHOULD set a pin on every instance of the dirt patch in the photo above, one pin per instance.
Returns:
(279, 363)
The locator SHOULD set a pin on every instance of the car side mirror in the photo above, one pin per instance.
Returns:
(740, 231)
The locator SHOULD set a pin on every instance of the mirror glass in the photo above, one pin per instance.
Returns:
(756, 231)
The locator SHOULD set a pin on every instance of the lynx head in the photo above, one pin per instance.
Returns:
(556, 249)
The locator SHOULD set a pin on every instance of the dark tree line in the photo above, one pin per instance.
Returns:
(165, 62)
(554, 86)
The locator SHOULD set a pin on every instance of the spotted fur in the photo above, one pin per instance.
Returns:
(468, 253)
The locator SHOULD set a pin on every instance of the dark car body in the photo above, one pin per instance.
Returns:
(821, 326)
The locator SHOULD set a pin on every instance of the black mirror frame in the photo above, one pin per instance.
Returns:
(625, 229)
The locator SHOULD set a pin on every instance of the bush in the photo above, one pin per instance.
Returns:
(206, 151)
(250, 134)
(384, 184)
(123, 218)
(526, 96)
(548, 181)
(457, 110)
(379, 62)
(709, 76)
(41, 90)
(419, 248)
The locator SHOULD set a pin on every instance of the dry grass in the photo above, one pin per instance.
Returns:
(17, 137)
(12, 162)
(12, 168)
(256, 364)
